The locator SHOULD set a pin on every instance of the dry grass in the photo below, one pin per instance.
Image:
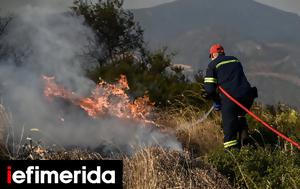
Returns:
(157, 168)
(202, 138)
(150, 167)
(198, 139)
(4, 125)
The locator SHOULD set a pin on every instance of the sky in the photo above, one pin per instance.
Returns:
(144, 3)
(287, 5)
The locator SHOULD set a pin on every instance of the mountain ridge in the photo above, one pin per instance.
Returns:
(264, 38)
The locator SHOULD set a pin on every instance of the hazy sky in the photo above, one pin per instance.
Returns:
(287, 5)
(144, 3)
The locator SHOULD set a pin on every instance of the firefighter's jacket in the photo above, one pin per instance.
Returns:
(226, 71)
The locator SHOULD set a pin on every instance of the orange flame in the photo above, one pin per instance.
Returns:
(105, 99)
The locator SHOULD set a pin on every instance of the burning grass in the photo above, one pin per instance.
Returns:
(152, 167)
(105, 99)
(156, 167)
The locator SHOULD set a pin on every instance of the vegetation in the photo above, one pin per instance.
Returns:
(116, 32)
(258, 167)
(269, 163)
(203, 162)
(124, 52)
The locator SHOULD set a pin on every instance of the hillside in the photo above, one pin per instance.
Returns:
(202, 162)
(264, 38)
(84, 85)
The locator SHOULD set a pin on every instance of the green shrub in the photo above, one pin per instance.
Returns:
(258, 168)
(281, 117)
(154, 77)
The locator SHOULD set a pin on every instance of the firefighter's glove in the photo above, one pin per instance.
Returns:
(217, 106)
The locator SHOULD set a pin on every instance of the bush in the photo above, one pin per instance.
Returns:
(282, 118)
(119, 39)
(154, 77)
(273, 162)
(258, 168)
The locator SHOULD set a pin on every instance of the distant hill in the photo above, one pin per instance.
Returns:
(265, 39)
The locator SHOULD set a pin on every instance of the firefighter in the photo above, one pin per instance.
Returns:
(227, 72)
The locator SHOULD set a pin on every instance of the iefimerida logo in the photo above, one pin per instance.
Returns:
(36, 175)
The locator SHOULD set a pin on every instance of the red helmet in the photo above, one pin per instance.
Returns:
(216, 48)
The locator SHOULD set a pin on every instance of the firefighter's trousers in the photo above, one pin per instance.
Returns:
(234, 121)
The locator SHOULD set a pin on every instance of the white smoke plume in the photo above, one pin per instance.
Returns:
(39, 42)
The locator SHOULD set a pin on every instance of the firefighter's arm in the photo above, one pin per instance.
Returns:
(210, 82)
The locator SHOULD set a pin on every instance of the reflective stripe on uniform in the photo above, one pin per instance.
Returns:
(226, 62)
(230, 143)
(210, 80)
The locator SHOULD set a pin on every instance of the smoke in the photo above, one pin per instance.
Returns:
(39, 42)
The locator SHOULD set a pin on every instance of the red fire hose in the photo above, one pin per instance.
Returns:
(260, 120)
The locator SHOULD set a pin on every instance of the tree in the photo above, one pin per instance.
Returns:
(120, 39)
(116, 31)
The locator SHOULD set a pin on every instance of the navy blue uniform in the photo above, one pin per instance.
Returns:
(227, 71)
